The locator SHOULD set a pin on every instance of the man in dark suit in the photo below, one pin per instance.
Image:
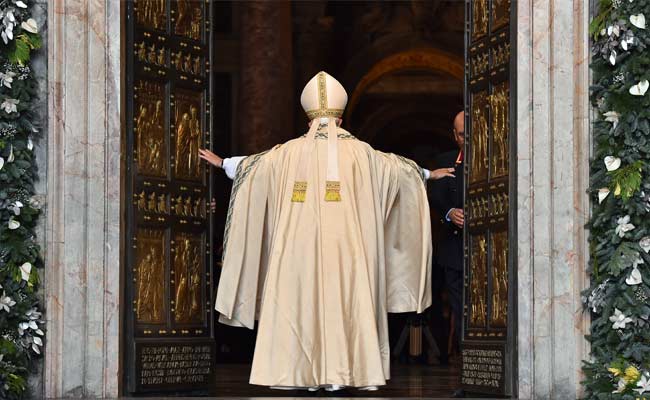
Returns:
(447, 199)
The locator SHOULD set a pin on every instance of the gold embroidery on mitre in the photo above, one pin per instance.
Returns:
(299, 192)
(332, 191)
(322, 110)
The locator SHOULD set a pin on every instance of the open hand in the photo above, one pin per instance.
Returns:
(442, 173)
(457, 217)
(210, 157)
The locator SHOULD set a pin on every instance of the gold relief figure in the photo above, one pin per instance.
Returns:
(141, 52)
(182, 144)
(178, 208)
(195, 142)
(187, 208)
(183, 20)
(178, 60)
(152, 56)
(197, 212)
(162, 204)
(478, 285)
(149, 304)
(197, 66)
(195, 286)
(187, 270)
(161, 57)
(479, 18)
(195, 29)
(500, 125)
(151, 204)
(142, 201)
(187, 66)
(479, 138)
(151, 13)
(499, 312)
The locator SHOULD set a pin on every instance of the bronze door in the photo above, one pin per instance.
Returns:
(488, 333)
(169, 337)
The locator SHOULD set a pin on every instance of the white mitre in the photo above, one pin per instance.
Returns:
(324, 97)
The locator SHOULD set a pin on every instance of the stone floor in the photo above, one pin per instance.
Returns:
(407, 381)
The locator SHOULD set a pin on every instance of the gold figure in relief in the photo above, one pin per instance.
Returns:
(187, 210)
(479, 138)
(142, 201)
(198, 212)
(162, 204)
(189, 19)
(197, 65)
(149, 303)
(178, 61)
(151, 13)
(499, 314)
(187, 270)
(479, 18)
(478, 285)
(500, 124)
(178, 207)
(151, 204)
(187, 66)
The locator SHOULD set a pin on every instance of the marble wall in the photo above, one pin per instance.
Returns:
(82, 282)
(553, 150)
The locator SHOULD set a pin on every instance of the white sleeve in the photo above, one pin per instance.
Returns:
(230, 165)
(426, 172)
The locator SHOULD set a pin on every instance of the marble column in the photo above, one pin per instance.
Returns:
(82, 277)
(553, 147)
(266, 92)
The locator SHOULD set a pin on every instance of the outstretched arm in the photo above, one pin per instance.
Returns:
(229, 165)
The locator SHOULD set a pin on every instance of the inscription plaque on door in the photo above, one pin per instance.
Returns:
(488, 318)
(169, 330)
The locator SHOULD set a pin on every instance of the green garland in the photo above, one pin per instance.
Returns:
(619, 366)
(21, 325)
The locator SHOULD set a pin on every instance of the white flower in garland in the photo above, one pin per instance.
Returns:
(638, 20)
(640, 88)
(624, 226)
(2, 162)
(21, 4)
(7, 78)
(644, 243)
(30, 144)
(612, 116)
(612, 163)
(30, 26)
(602, 194)
(6, 302)
(643, 384)
(13, 224)
(613, 30)
(620, 386)
(11, 154)
(635, 276)
(619, 319)
(612, 57)
(25, 271)
(15, 207)
(10, 105)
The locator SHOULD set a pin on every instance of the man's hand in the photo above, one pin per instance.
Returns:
(457, 217)
(442, 173)
(210, 157)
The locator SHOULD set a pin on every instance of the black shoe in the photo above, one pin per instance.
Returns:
(458, 393)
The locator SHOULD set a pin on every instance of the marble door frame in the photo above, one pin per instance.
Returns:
(83, 173)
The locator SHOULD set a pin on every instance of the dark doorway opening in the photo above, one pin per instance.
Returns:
(402, 65)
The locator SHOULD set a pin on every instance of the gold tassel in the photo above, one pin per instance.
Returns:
(299, 192)
(332, 191)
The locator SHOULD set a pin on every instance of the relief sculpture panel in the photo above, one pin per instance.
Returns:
(479, 18)
(151, 14)
(188, 268)
(478, 282)
(188, 19)
(149, 276)
(479, 137)
(499, 106)
(149, 126)
(187, 129)
(499, 263)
